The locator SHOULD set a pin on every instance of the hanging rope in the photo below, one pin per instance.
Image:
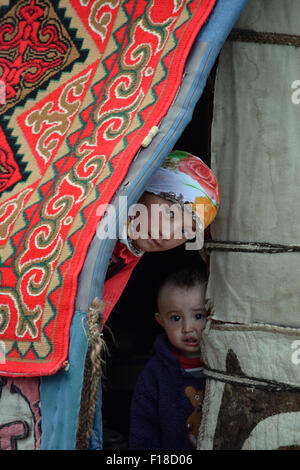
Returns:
(93, 371)
(248, 35)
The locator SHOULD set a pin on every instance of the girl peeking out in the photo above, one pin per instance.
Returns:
(183, 183)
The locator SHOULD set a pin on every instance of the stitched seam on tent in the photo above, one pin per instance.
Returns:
(250, 247)
(288, 331)
(248, 381)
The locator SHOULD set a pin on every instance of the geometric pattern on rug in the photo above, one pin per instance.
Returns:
(85, 83)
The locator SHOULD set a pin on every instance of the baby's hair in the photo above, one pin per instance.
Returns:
(184, 277)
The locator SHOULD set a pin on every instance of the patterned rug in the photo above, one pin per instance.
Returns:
(82, 82)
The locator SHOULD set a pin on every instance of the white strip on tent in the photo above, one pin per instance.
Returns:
(256, 157)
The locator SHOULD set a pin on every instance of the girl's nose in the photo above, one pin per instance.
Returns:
(166, 229)
(166, 233)
(170, 228)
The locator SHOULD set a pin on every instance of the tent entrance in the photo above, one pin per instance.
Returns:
(132, 324)
(133, 331)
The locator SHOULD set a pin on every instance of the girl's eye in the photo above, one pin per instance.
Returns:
(186, 234)
(170, 213)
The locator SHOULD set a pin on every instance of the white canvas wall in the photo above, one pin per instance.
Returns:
(256, 158)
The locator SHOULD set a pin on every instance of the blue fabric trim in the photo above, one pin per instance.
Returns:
(60, 393)
(96, 442)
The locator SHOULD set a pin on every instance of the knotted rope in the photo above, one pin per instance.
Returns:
(93, 371)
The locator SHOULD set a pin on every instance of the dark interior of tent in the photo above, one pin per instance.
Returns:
(131, 329)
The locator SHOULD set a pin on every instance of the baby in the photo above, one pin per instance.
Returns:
(183, 182)
(166, 407)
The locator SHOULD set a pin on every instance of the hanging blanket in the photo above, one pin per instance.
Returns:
(82, 83)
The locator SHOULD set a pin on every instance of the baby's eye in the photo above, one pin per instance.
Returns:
(199, 316)
(175, 317)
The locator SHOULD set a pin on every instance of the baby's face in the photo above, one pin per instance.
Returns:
(183, 316)
(162, 227)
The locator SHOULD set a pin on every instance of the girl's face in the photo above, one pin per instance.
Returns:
(183, 316)
(159, 227)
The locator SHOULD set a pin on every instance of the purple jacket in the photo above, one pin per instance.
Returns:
(166, 406)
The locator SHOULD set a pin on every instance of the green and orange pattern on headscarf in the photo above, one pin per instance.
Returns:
(185, 178)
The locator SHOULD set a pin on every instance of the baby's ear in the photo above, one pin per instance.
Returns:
(158, 318)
